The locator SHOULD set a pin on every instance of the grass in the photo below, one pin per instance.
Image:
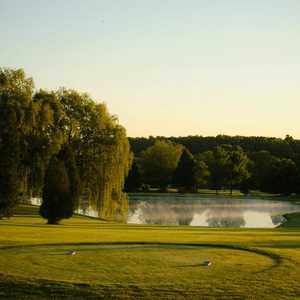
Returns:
(204, 193)
(201, 192)
(292, 220)
(119, 261)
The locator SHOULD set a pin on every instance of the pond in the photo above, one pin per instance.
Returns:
(208, 211)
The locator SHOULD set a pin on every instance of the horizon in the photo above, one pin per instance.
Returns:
(207, 136)
(166, 68)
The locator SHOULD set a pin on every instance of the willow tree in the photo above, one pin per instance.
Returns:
(102, 153)
(34, 128)
(45, 138)
(15, 103)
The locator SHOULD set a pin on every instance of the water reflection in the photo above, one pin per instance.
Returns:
(193, 211)
(214, 212)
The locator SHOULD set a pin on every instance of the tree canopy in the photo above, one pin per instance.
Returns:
(245, 163)
(158, 163)
(185, 175)
(37, 125)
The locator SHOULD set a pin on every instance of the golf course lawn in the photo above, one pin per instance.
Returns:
(118, 261)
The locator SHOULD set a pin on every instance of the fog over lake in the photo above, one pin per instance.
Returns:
(208, 211)
(202, 211)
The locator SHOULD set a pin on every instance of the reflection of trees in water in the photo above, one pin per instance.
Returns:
(185, 214)
(212, 212)
(164, 212)
(221, 217)
(277, 220)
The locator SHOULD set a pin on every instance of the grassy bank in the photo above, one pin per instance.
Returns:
(292, 220)
(118, 261)
(205, 193)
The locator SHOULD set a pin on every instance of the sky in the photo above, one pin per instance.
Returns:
(166, 67)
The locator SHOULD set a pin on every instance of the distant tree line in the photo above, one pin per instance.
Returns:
(247, 163)
(61, 146)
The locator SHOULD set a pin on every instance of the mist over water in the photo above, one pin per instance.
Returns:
(213, 212)
(200, 211)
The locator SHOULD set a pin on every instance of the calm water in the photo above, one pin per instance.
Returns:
(194, 211)
(214, 212)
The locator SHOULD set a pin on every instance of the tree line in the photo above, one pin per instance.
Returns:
(61, 146)
(222, 163)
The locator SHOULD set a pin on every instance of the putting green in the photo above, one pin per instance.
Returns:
(132, 263)
(119, 261)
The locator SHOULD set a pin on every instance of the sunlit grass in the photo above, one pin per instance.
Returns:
(119, 261)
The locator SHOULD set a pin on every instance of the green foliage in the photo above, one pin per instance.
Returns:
(228, 166)
(263, 152)
(236, 165)
(10, 185)
(198, 144)
(45, 138)
(283, 173)
(57, 193)
(36, 127)
(133, 181)
(15, 104)
(10, 165)
(274, 175)
(158, 163)
(216, 161)
(202, 172)
(185, 175)
(66, 155)
(102, 154)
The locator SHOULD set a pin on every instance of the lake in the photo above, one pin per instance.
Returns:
(203, 211)
(208, 211)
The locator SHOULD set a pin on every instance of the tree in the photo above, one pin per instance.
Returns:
(185, 175)
(158, 163)
(236, 165)
(33, 129)
(216, 161)
(228, 166)
(284, 175)
(45, 138)
(10, 181)
(15, 114)
(133, 181)
(57, 195)
(202, 171)
(261, 170)
(66, 155)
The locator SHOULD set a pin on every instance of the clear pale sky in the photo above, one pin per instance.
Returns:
(166, 67)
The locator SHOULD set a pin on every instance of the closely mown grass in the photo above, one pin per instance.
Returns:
(200, 192)
(119, 261)
(292, 220)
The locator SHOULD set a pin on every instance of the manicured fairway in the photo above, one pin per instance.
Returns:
(116, 261)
